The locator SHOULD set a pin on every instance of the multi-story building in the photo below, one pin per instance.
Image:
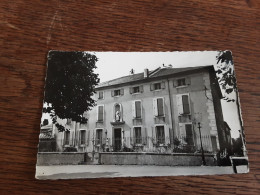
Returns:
(151, 111)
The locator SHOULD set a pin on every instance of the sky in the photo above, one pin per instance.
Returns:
(112, 65)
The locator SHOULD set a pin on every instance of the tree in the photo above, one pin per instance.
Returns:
(227, 80)
(70, 85)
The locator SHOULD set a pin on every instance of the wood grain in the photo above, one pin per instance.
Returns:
(30, 28)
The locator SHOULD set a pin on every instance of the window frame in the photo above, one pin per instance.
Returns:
(182, 108)
(134, 110)
(80, 139)
(65, 138)
(118, 90)
(164, 128)
(96, 136)
(182, 85)
(155, 84)
(183, 131)
(135, 87)
(101, 105)
(134, 135)
(156, 114)
(103, 95)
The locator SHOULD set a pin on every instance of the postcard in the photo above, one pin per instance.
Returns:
(139, 114)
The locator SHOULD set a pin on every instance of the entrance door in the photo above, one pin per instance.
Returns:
(118, 141)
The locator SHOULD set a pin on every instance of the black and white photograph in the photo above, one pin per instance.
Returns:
(140, 114)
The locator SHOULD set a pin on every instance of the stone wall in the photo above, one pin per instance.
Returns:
(60, 158)
(132, 158)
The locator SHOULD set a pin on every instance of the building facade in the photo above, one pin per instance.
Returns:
(153, 111)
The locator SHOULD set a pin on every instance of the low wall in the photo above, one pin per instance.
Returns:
(132, 158)
(60, 158)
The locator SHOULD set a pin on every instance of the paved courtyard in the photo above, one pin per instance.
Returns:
(97, 171)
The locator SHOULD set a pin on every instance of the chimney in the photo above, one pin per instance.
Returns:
(146, 73)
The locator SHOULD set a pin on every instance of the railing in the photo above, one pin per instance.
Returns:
(179, 144)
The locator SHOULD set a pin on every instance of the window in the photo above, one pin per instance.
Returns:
(117, 92)
(136, 89)
(101, 95)
(137, 109)
(69, 121)
(158, 106)
(189, 134)
(183, 104)
(66, 137)
(186, 133)
(99, 136)
(181, 82)
(82, 137)
(160, 136)
(157, 86)
(100, 113)
(138, 135)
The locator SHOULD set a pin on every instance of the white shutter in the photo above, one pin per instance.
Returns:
(167, 134)
(163, 85)
(121, 91)
(155, 109)
(133, 109)
(179, 104)
(182, 129)
(163, 106)
(97, 112)
(141, 89)
(188, 82)
(87, 137)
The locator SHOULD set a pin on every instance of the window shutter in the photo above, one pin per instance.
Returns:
(175, 84)
(112, 93)
(100, 113)
(144, 136)
(182, 130)
(138, 109)
(133, 109)
(179, 104)
(155, 109)
(188, 81)
(131, 136)
(167, 134)
(134, 138)
(102, 136)
(141, 88)
(121, 91)
(151, 87)
(153, 134)
(163, 85)
(130, 90)
(160, 106)
(88, 137)
(186, 106)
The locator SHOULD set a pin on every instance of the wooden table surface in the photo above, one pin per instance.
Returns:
(29, 29)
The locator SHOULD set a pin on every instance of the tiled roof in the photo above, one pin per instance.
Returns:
(155, 73)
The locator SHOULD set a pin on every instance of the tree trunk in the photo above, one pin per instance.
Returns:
(241, 124)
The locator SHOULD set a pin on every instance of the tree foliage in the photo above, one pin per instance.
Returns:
(70, 85)
(226, 74)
